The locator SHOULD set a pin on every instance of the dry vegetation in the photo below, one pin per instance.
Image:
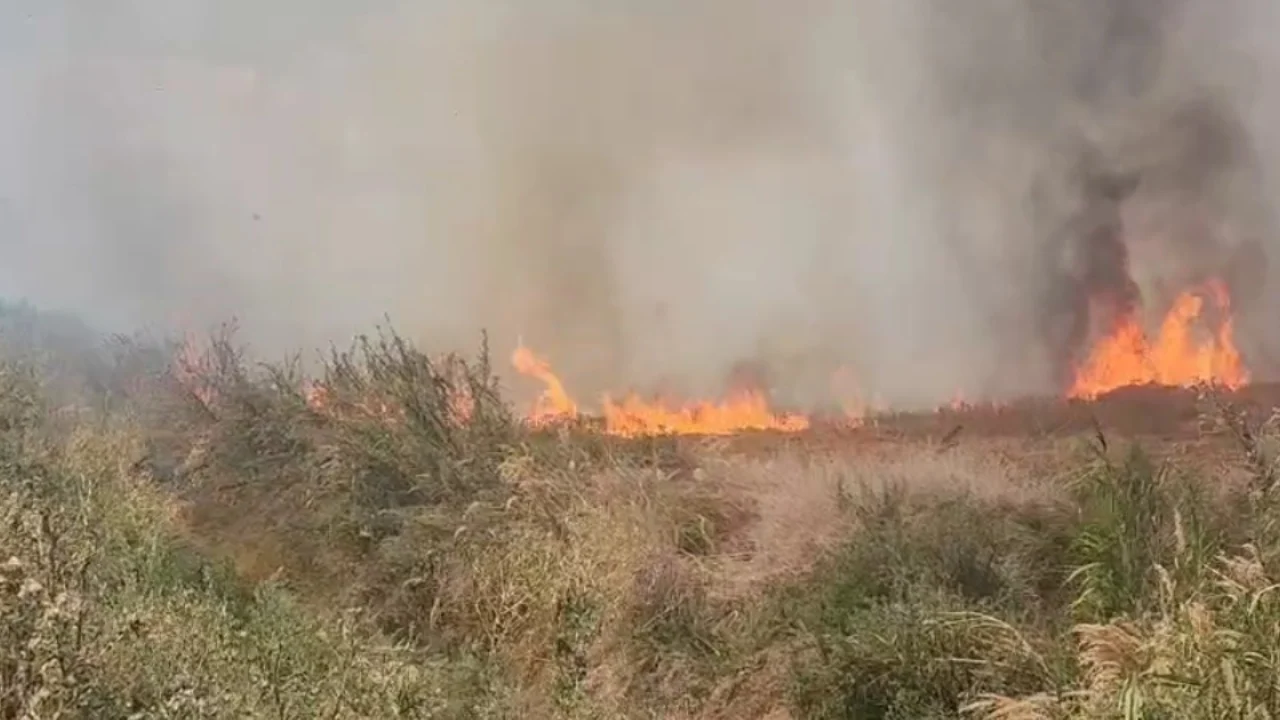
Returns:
(186, 536)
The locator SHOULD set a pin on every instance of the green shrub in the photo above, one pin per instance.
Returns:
(930, 603)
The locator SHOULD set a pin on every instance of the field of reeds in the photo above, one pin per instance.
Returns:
(191, 534)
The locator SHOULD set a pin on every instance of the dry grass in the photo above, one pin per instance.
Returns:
(210, 541)
(104, 613)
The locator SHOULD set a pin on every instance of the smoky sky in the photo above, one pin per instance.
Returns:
(648, 191)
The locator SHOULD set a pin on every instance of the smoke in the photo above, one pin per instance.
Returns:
(924, 192)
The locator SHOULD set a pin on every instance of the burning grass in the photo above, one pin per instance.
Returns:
(1193, 347)
(1182, 353)
(386, 539)
(745, 409)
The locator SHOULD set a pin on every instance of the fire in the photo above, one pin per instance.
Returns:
(321, 398)
(316, 396)
(462, 406)
(634, 416)
(745, 410)
(847, 391)
(554, 403)
(191, 370)
(1176, 357)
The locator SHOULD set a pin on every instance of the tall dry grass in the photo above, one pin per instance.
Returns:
(201, 535)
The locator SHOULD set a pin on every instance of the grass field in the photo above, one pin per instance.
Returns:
(195, 536)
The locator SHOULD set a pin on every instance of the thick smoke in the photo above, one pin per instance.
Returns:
(925, 192)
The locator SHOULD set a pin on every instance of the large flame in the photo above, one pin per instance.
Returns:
(1176, 357)
(634, 416)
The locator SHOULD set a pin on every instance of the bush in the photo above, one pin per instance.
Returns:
(199, 535)
(932, 601)
(105, 613)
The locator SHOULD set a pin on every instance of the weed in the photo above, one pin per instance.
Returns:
(185, 532)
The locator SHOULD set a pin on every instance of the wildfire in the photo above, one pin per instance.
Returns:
(191, 370)
(745, 410)
(848, 393)
(1178, 356)
(322, 399)
(554, 403)
(634, 416)
(316, 396)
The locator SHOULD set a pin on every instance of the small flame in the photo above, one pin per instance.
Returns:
(462, 406)
(634, 416)
(321, 399)
(191, 369)
(847, 391)
(1127, 357)
(317, 396)
(554, 403)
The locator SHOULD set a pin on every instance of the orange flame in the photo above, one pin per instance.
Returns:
(633, 416)
(320, 399)
(745, 410)
(554, 403)
(316, 396)
(1126, 357)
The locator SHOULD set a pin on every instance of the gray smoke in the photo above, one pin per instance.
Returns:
(650, 192)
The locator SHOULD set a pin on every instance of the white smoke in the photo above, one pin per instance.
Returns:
(650, 192)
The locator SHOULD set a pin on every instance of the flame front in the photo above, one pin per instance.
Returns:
(745, 410)
(633, 416)
(1127, 357)
(1188, 349)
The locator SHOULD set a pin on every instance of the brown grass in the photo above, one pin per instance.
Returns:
(210, 544)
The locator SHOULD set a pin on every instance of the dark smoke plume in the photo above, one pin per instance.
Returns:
(1152, 170)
